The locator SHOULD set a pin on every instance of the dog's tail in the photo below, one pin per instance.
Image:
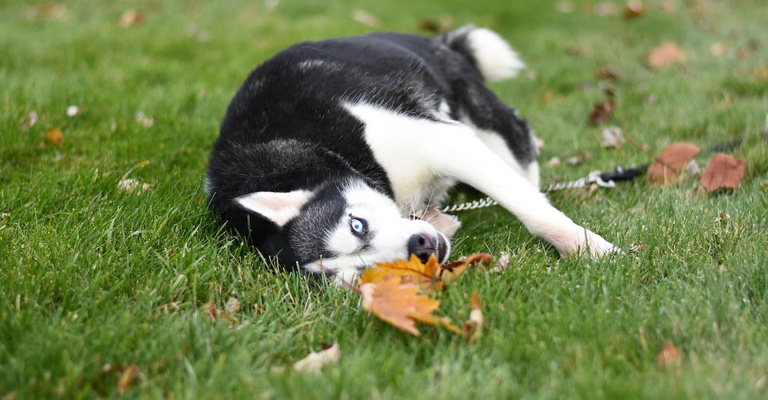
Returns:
(490, 54)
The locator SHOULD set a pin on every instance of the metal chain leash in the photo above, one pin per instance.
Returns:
(592, 178)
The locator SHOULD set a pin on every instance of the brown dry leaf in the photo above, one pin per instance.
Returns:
(436, 25)
(717, 49)
(668, 357)
(365, 18)
(612, 138)
(233, 304)
(217, 314)
(315, 361)
(131, 18)
(606, 9)
(54, 136)
(29, 121)
(723, 172)
(554, 162)
(565, 7)
(474, 326)
(665, 55)
(634, 9)
(130, 185)
(399, 304)
(607, 73)
(130, 374)
(451, 271)
(48, 11)
(601, 112)
(502, 264)
(665, 169)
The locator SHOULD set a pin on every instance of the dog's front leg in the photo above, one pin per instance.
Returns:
(472, 162)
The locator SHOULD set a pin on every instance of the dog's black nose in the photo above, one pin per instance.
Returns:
(422, 246)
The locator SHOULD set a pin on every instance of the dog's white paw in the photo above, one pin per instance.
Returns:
(585, 242)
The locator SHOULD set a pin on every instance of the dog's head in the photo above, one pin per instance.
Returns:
(344, 228)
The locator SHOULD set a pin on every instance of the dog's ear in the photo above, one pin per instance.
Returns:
(277, 207)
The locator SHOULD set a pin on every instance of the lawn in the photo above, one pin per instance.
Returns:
(96, 281)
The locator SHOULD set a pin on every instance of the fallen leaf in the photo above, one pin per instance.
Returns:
(411, 271)
(612, 138)
(723, 172)
(668, 357)
(607, 73)
(315, 361)
(691, 170)
(473, 328)
(233, 304)
(565, 7)
(144, 120)
(665, 55)
(578, 159)
(717, 49)
(502, 264)
(606, 9)
(131, 18)
(29, 121)
(436, 25)
(365, 18)
(450, 272)
(130, 374)
(667, 166)
(48, 11)
(54, 136)
(220, 315)
(72, 111)
(601, 112)
(723, 219)
(669, 7)
(398, 304)
(634, 9)
(130, 185)
(554, 162)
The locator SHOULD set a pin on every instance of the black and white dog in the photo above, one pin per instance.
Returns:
(329, 146)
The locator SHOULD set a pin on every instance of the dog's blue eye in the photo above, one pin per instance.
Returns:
(359, 226)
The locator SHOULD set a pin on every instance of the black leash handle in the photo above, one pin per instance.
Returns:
(627, 174)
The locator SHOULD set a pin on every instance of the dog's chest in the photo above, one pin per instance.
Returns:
(405, 148)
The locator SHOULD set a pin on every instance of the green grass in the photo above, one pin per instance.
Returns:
(91, 276)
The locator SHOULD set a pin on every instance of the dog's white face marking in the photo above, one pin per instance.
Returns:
(371, 230)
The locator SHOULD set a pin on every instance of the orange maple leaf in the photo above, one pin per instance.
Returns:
(413, 270)
(398, 304)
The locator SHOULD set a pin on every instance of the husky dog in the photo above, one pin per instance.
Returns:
(329, 146)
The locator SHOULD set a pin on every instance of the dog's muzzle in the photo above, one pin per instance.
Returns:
(422, 246)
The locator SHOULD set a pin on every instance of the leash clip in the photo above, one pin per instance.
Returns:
(594, 177)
